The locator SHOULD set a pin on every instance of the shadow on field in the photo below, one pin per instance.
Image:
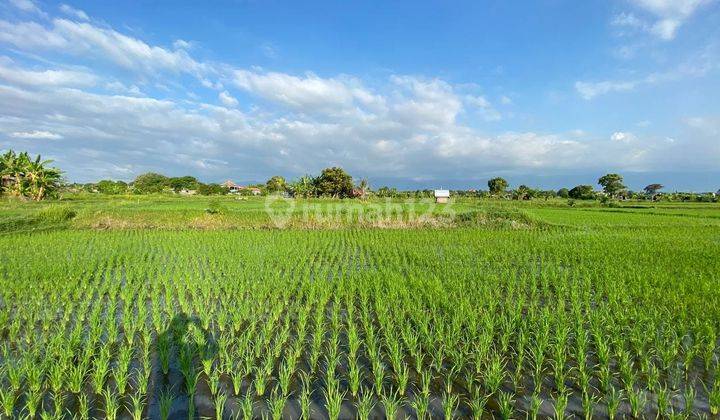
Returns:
(184, 343)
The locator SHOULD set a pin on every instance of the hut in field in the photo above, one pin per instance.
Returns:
(442, 196)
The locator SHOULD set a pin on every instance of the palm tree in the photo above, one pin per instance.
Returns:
(13, 171)
(41, 179)
(304, 187)
(24, 177)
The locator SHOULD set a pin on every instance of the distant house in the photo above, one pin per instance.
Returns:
(442, 196)
(232, 187)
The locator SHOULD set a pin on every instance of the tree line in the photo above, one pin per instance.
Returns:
(22, 176)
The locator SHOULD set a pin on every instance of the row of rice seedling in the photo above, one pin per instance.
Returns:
(359, 324)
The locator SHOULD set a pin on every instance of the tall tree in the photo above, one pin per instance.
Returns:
(582, 192)
(42, 180)
(652, 189)
(612, 184)
(497, 185)
(334, 182)
(150, 182)
(183, 183)
(25, 177)
(276, 184)
(304, 187)
(14, 167)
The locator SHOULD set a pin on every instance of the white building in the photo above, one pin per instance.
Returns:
(442, 196)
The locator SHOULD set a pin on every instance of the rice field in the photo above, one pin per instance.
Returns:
(585, 313)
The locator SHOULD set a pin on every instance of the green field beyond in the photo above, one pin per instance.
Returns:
(484, 308)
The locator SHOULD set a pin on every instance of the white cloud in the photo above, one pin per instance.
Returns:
(83, 38)
(36, 135)
(628, 20)
(484, 108)
(46, 77)
(181, 44)
(670, 15)
(227, 99)
(698, 65)
(27, 6)
(589, 90)
(621, 136)
(73, 12)
(309, 93)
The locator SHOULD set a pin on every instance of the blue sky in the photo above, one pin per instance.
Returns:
(411, 94)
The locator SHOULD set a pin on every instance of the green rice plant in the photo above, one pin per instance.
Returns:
(354, 375)
(402, 376)
(378, 371)
(32, 402)
(450, 403)
(14, 376)
(477, 404)
(494, 374)
(219, 401)
(638, 400)
(141, 379)
(561, 402)
(534, 406)
(33, 374)
(214, 382)
(75, 377)
(506, 404)
(83, 407)
(58, 399)
(101, 368)
(421, 405)
(136, 406)
(664, 401)
(260, 382)
(112, 403)
(276, 404)
(605, 376)
(613, 400)
(365, 405)
(588, 405)
(247, 405)
(191, 387)
(305, 396)
(653, 378)
(391, 403)
(56, 376)
(689, 398)
(714, 398)
(285, 375)
(165, 402)
(163, 352)
(7, 401)
(333, 400)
